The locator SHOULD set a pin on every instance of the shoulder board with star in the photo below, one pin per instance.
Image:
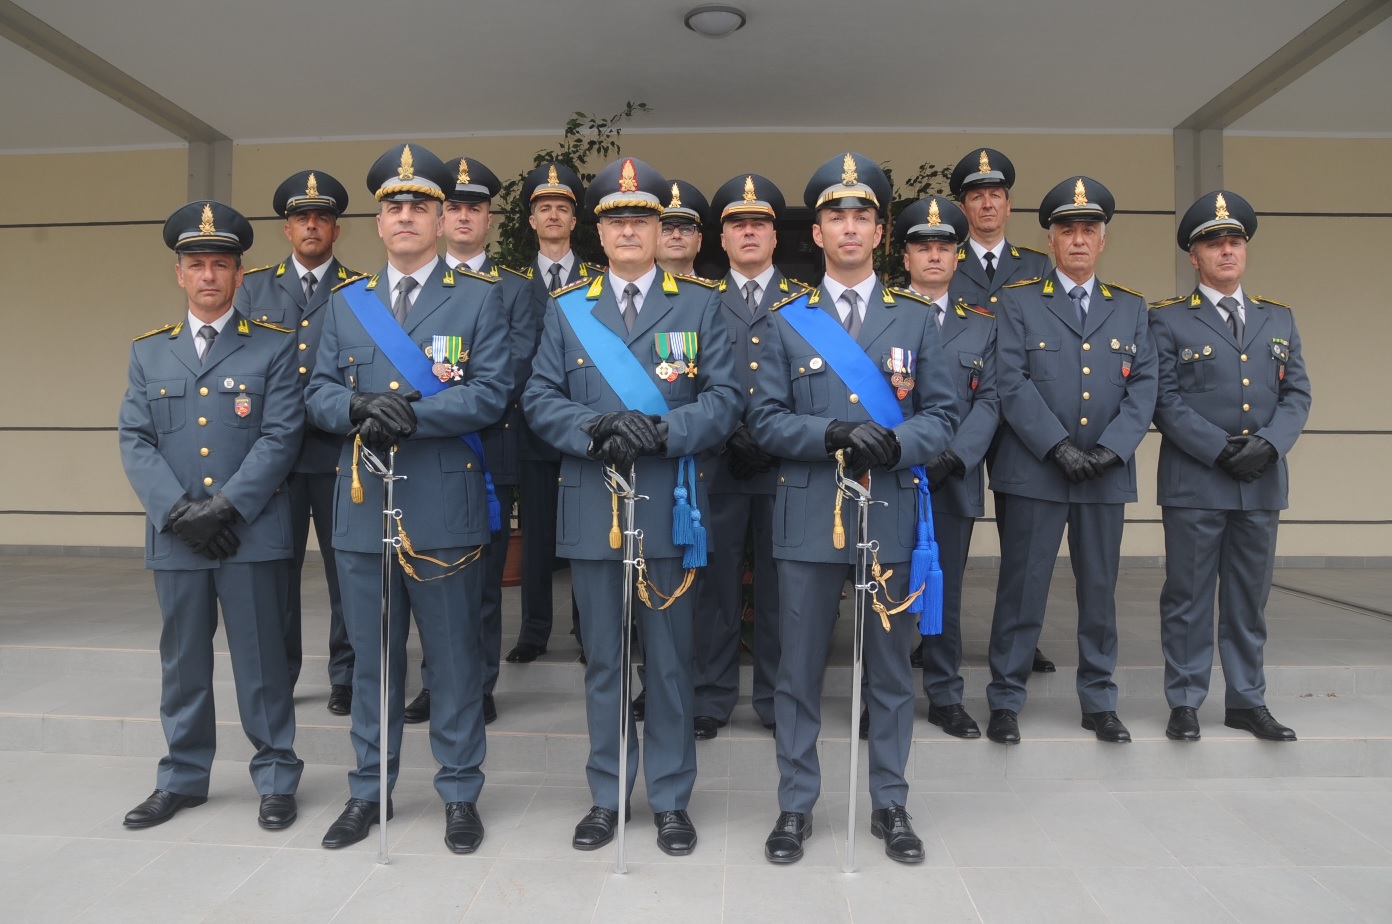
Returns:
(699, 280)
(157, 330)
(1022, 282)
(344, 273)
(276, 327)
(463, 270)
(1163, 303)
(570, 288)
(1030, 249)
(1124, 289)
(912, 296)
(1269, 301)
(349, 281)
(524, 275)
(260, 269)
(589, 269)
(797, 282)
(791, 298)
(976, 309)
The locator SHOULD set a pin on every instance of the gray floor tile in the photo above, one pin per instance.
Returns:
(184, 883)
(799, 892)
(71, 879)
(678, 892)
(1161, 896)
(1367, 891)
(1199, 832)
(529, 890)
(1094, 830)
(416, 890)
(301, 885)
(1308, 834)
(1261, 895)
(938, 895)
(990, 830)
(1023, 896)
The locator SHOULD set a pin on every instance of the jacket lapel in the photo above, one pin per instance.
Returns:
(657, 304)
(293, 286)
(1256, 320)
(1208, 313)
(970, 266)
(1099, 308)
(952, 324)
(433, 294)
(878, 316)
(1056, 297)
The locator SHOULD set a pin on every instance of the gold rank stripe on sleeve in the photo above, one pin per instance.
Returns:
(699, 280)
(1117, 285)
(1022, 282)
(1168, 301)
(1262, 299)
(349, 281)
(261, 269)
(157, 330)
(269, 326)
(570, 288)
(912, 296)
(463, 270)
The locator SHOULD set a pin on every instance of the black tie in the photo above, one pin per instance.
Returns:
(630, 306)
(309, 283)
(207, 333)
(555, 272)
(1230, 305)
(852, 322)
(751, 296)
(990, 259)
(402, 306)
(1079, 296)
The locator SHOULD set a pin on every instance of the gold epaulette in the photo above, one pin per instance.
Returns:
(980, 310)
(268, 324)
(791, 298)
(1030, 249)
(349, 281)
(463, 270)
(516, 272)
(1269, 301)
(797, 282)
(260, 269)
(1022, 282)
(157, 330)
(586, 267)
(699, 280)
(1168, 301)
(1124, 289)
(574, 285)
(910, 294)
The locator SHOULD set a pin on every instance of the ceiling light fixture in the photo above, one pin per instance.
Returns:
(714, 21)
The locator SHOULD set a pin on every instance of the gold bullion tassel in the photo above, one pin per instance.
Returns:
(357, 492)
(838, 529)
(615, 535)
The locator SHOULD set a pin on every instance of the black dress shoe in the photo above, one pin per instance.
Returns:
(277, 811)
(640, 705)
(597, 828)
(707, 727)
(676, 835)
(916, 658)
(353, 823)
(1107, 726)
(490, 709)
(864, 724)
(418, 709)
(784, 844)
(1004, 727)
(954, 720)
(892, 825)
(1260, 722)
(463, 827)
(1183, 724)
(525, 653)
(159, 808)
(340, 699)
(1042, 665)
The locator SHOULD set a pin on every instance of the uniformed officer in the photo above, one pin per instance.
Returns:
(1076, 374)
(805, 409)
(987, 262)
(1233, 399)
(930, 231)
(741, 483)
(415, 356)
(635, 366)
(293, 293)
(682, 220)
(210, 426)
(553, 193)
(468, 217)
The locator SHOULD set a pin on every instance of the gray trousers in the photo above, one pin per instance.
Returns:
(810, 596)
(312, 493)
(536, 514)
(252, 595)
(942, 654)
(720, 603)
(1233, 551)
(669, 747)
(491, 621)
(1030, 533)
(447, 614)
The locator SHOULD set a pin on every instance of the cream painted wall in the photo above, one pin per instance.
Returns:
(73, 296)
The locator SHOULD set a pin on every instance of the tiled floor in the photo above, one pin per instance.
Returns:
(1185, 842)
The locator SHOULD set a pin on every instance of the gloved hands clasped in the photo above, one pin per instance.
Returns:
(382, 417)
(870, 445)
(206, 526)
(1078, 465)
(1246, 457)
(619, 438)
(745, 458)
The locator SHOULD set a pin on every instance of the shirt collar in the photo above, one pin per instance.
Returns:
(981, 251)
(318, 271)
(763, 279)
(1213, 295)
(195, 324)
(421, 276)
(864, 289)
(567, 263)
(1089, 284)
(474, 263)
(643, 282)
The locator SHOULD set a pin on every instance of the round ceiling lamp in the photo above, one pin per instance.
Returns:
(715, 21)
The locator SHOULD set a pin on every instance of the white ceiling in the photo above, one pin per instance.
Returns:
(265, 70)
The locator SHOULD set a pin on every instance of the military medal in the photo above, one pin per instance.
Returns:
(228, 383)
(447, 352)
(666, 370)
(901, 364)
(689, 341)
(1125, 368)
(242, 405)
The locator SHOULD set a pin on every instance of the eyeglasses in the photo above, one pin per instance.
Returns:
(679, 230)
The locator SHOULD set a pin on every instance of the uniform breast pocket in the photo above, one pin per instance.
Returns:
(1123, 356)
(166, 400)
(582, 378)
(1280, 355)
(811, 391)
(241, 399)
(970, 367)
(461, 489)
(450, 362)
(1042, 354)
(270, 315)
(353, 363)
(1195, 375)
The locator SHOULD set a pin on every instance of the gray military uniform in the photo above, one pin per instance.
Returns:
(969, 282)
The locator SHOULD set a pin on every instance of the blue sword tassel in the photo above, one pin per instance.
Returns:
(695, 556)
(495, 509)
(925, 570)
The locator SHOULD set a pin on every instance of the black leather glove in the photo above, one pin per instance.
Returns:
(223, 545)
(1230, 449)
(740, 469)
(392, 411)
(1103, 458)
(619, 453)
(180, 507)
(744, 451)
(375, 436)
(1076, 465)
(871, 444)
(1250, 461)
(943, 464)
(203, 520)
(639, 429)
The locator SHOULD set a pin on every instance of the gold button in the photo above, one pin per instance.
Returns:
(203, 391)
(304, 323)
(203, 452)
(801, 370)
(1244, 357)
(753, 339)
(753, 365)
(303, 370)
(1086, 347)
(915, 481)
(208, 481)
(202, 421)
(337, 469)
(782, 480)
(265, 317)
(1245, 432)
(468, 466)
(351, 359)
(163, 392)
(855, 399)
(1083, 421)
(700, 474)
(1246, 407)
(1041, 344)
(993, 298)
(393, 385)
(507, 426)
(579, 360)
(751, 391)
(1087, 396)
(304, 346)
(1087, 370)
(241, 387)
(558, 480)
(1246, 382)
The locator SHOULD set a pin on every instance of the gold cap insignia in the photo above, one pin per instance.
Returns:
(312, 187)
(628, 177)
(407, 170)
(463, 178)
(551, 177)
(934, 216)
(749, 189)
(1220, 211)
(1080, 193)
(984, 164)
(206, 225)
(676, 198)
(848, 171)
